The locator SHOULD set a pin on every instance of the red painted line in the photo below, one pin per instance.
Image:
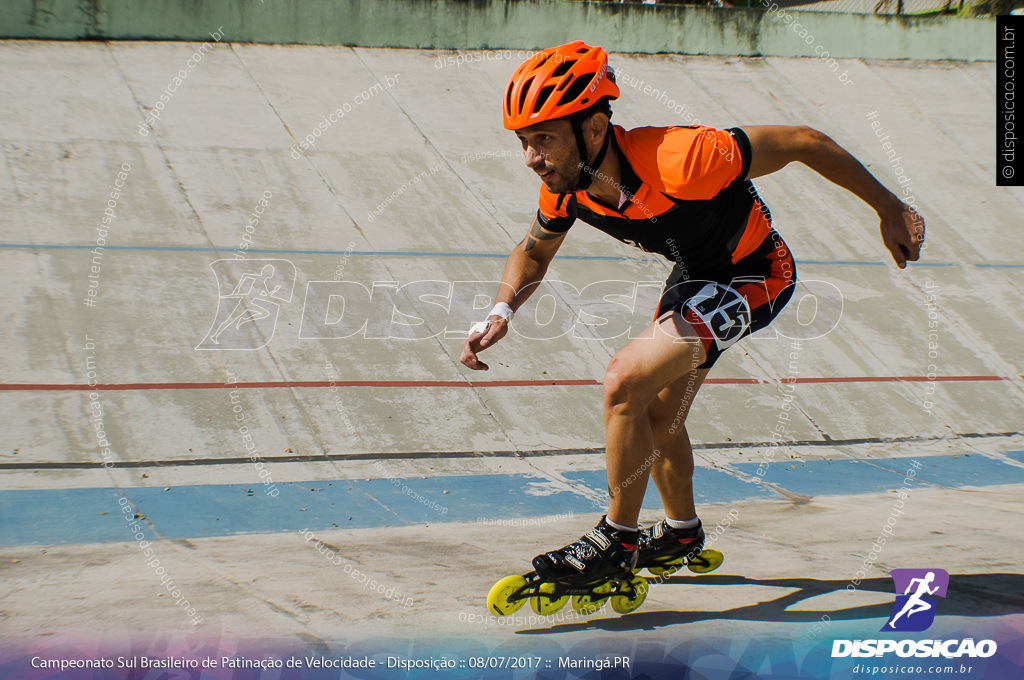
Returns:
(117, 387)
(901, 378)
(297, 383)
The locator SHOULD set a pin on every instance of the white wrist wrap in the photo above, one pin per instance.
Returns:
(501, 309)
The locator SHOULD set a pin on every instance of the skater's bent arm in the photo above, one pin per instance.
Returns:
(527, 264)
(775, 146)
(525, 267)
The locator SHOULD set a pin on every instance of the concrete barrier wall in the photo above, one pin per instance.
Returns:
(513, 24)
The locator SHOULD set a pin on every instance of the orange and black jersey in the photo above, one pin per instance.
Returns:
(687, 198)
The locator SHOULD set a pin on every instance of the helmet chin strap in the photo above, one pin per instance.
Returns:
(588, 170)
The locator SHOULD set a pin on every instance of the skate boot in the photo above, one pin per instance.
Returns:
(663, 550)
(592, 570)
(601, 552)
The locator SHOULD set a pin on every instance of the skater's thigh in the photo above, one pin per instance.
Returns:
(665, 351)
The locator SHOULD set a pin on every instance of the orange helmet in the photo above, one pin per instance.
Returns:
(558, 82)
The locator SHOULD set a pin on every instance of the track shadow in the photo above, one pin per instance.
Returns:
(968, 595)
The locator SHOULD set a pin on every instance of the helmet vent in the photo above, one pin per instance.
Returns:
(562, 68)
(523, 92)
(576, 88)
(508, 99)
(542, 97)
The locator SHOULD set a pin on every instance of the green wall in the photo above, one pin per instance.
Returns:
(513, 24)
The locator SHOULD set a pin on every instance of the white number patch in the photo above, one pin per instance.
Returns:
(724, 311)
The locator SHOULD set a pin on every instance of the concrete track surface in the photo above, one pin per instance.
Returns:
(268, 470)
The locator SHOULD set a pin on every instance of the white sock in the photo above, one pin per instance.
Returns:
(620, 527)
(683, 524)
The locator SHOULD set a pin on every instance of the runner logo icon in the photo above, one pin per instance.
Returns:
(913, 610)
(251, 293)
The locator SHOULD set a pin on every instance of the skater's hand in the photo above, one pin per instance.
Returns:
(902, 233)
(477, 342)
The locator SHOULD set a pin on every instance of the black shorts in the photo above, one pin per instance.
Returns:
(732, 302)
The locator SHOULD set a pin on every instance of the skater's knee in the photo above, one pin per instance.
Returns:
(624, 389)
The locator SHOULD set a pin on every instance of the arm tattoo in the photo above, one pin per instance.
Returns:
(537, 233)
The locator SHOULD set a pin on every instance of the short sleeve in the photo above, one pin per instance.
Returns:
(697, 163)
(553, 211)
(744, 144)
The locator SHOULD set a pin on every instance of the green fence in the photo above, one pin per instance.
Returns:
(511, 24)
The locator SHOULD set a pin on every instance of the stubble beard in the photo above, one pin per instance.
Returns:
(565, 184)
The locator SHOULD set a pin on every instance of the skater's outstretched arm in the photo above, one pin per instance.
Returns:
(526, 265)
(775, 146)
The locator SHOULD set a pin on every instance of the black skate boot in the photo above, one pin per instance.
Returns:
(593, 570)
(601, 553)
(663, 550)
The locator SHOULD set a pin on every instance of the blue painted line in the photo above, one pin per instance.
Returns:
(880, 475)
(709, 486)
(1016, 455)
(61, 512)
(825, 477)
(959, 470)
(66, 516)
(858, 263)
(419, 253)
(268, 251)
(852, 263)
(63, 516)
(926, 263)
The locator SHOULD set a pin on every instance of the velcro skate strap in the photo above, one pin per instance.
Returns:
(597, 539)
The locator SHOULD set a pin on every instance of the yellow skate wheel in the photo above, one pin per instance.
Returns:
(547, 605)
(708, 560)
(498, 599)
(667, 567)
(588, 604)
(622, 604)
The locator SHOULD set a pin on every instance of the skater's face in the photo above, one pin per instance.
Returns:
(551, 151)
